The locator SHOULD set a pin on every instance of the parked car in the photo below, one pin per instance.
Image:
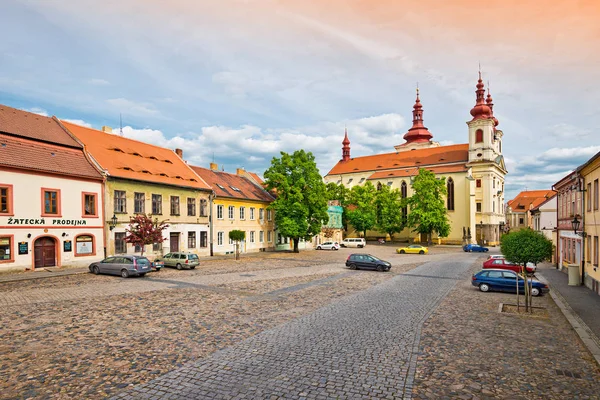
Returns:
(367, 261)
(495, 256)
(180, 260)
(354, 242)
(501, 263)
(125, 265)
(157, 265)
(475, 247)
(413, 249)
(505, 281)
(328, 246)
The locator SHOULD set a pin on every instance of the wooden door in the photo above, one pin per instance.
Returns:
(45, 252)
(174, 242)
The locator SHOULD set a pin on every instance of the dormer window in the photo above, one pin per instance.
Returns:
(117, 149)
(153, 158)
(168, 161)
(221, 187)
(136, 154)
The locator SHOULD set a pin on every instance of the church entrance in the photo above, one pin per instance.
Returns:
(45, 252)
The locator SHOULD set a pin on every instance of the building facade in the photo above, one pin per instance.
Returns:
(569, 246)
(590, 221)
(520, 210)
(145, 179)
(51, 203)
(473, 172)
(239, 202)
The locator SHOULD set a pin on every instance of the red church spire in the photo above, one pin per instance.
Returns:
(418, 133)
(481, 110)
(346, 146)
(490, 103)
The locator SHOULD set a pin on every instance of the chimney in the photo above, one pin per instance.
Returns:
(107, 129)
(240, 172)
(179, 152)
(214, 166)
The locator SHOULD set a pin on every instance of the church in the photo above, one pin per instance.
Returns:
(474, 173)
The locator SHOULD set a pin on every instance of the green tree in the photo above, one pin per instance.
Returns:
(301, 203)
(361, 211)
(237, 236)
(428, 212)
(143, 230)
(522, 247)
(388, 203)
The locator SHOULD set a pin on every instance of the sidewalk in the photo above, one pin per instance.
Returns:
(579, 304)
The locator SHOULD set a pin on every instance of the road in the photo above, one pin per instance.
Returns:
(362, 346)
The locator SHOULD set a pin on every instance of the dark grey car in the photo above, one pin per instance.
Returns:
(124, 265)
(180, 260)
(367, 261)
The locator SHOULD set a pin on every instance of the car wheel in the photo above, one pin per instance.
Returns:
(361, 246)
(179, 266)
(484, 287)
(535, 291)
(318, 247)
(142, 275)
(336, 248)
(124, 273)
(402, 252)
(96, 270)
(380, 268)
(352, 266)
(421, 252)
(193, 267)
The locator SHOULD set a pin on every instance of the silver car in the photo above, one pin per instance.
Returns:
(125, 265)
(180, 260)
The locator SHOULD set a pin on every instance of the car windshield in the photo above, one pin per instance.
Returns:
(193, 256)
(142, 261)
(374, 258)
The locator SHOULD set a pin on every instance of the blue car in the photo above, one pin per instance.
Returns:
(475, 247)
(502, 280)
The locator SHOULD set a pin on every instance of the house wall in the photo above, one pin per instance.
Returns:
(179, 225)
(247, 224)
(591, 222)
(26, 222)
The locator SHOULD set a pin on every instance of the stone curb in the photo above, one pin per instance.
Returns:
(588, 338)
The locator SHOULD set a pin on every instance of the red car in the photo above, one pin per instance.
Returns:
(501, 263)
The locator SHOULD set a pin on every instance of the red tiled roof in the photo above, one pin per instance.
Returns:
(34, 126)
(28, 154)
(224, 185)
(458, 153)
(132, 159)
(530, 199)
(445, 169)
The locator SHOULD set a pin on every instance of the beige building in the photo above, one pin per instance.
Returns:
(521, 211)
(590, 221)
(474, 173)
(51, 204)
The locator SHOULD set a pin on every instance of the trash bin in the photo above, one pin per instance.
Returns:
(573, 275)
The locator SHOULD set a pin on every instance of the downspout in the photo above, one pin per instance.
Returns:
(557, 227)
(211, 196)
(582, 190)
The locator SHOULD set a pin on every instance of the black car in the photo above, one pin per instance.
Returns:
(367, 261)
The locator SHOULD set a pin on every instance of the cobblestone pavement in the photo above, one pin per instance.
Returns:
(359, 347)
(100, 342)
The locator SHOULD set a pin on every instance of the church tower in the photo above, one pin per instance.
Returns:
(345, 146)
(418, 136)
(487, 169)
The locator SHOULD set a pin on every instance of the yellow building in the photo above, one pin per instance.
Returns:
(474, 173)
(143, 178)
(590, 176)
(239, 203)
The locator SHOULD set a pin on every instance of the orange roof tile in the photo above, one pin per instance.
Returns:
(132, 159)
(525, 201)
(412, 171)
(458, 153)
(45, 157)
(225, 184)
(34, 126)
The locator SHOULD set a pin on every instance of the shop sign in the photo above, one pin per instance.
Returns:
(23, 248)
(67, 246)
(42, 221)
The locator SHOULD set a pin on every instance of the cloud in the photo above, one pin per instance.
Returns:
(37, 110)
(132, 107)
(567, 131)
(79, 122)
(98, 82)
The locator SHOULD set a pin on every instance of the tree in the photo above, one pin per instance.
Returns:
(388, 204)
(361, 212)
(237, 236)
(428, 212)
(143, 230)
(301, 204)
(522, 247)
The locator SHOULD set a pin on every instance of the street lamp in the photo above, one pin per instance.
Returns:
(576, 223)
(113, 222)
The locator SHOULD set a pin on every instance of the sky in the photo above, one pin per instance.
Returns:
(238, 81)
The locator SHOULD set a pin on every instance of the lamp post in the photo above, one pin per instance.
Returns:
(113, 222)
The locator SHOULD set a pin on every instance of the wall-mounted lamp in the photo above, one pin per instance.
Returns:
(113, 222)
(28, 235)
(64, 234)
(576, 223)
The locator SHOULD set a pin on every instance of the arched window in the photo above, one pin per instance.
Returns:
(450, 189)
(403, 193)
(478, 136)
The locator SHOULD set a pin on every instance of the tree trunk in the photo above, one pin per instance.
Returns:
(296, 240)
(142, 251)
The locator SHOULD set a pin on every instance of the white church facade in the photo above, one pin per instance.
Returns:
(474, 173)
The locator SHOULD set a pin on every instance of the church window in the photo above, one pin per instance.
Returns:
(478, 205)
(361, 180)
(478, 183)
(403, 194)
(450, 190)
(494, 183)
(350, 180)
(389, 183)
(478, 136)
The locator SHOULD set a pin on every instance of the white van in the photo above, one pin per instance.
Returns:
(353, 242)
